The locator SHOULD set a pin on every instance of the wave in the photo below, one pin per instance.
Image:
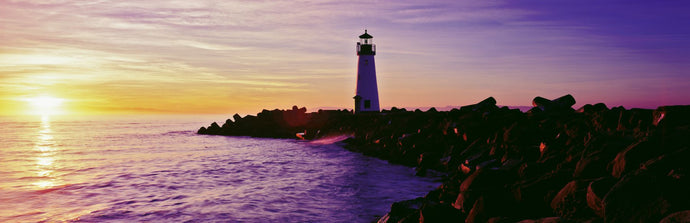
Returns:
(330, 140)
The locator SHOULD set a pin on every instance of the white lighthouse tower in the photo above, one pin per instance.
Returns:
(367, 95)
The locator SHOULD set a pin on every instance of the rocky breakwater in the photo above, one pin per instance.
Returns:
(291, 123)
(550, 164)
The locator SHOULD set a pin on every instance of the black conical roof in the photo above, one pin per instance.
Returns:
(365, 35)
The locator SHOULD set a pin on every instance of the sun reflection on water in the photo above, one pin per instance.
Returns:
(45, 160)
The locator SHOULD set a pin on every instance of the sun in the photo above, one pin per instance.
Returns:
(45, 105)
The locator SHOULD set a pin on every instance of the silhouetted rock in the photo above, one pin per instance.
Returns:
(591, 109)
(237, 117)
(563, 103)
(213, 128)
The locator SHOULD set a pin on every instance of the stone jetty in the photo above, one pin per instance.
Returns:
(552, 163)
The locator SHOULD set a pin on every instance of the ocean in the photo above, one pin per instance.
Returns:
(157, 169)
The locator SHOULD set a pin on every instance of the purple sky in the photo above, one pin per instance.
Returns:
(243, 56)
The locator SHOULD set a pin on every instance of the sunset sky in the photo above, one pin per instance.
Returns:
(154, 56)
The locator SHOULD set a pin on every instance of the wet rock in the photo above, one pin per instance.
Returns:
(404, 211)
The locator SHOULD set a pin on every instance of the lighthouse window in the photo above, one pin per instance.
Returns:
(367, 103)
(366, 62)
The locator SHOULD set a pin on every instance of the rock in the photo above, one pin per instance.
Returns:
(534, 195)
(543, 220)
(630, 159)
(202, 130)
(500, 220)
(595, 194)
(432, 212)
(598, 153)
(565, 101)
(213, 129)
(681, 216)
(478, 212)
(590, 167)
(488, 104)
(643, 196)
(571, 202)
(672, 116)
(482, 181)
(674, 160)
(596, 108)
(404, 210)
(560, 104)
(634, 119)
(237, 117)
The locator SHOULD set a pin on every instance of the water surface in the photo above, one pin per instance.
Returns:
(157, 169)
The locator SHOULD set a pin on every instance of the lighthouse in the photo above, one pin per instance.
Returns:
(367, 94)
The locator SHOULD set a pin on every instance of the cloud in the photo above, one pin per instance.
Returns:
(264, 49)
